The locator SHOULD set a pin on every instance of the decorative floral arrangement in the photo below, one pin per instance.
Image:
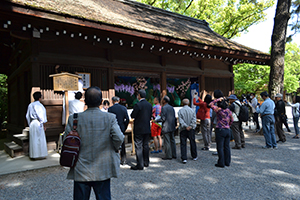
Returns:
(124, 88)
(140, 84)
(183, 88)
(170, 88)
(156, 87)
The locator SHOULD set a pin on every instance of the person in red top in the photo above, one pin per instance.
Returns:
(156, 127)
(204, 115)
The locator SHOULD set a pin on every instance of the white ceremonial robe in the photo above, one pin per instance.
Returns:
(36, 117)
(75, 106)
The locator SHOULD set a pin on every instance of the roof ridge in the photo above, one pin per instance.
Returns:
(162, 11)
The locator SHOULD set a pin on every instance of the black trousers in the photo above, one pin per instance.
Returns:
(183, 138)
(82, 190)
(255, 119)
(141, 142)
(223, 147)
(278, 128)
(123, 152)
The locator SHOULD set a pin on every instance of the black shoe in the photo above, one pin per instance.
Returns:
(283, 141)
(136, 168)
(146, 165)
(236, 147)
(205, 148)
(289, 130)
(217, 165)
(123, 162)
(166, 158)
(174, 157)
(243, 146)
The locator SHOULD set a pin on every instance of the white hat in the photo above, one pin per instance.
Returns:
(278, 95)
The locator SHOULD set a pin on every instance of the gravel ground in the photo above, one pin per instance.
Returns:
(255, 173)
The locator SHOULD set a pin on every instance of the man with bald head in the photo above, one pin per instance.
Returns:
(98, 160)
(187, 125)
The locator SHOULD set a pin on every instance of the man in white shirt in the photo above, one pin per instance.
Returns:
(254, 103)
(76, 106)
(36, 117)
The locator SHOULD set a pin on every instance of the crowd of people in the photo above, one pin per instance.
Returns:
(102, 131)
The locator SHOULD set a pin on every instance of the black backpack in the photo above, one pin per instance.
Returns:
(71, 145)
(244, 113)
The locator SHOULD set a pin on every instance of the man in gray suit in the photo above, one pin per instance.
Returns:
(169, 123)
(98, 159)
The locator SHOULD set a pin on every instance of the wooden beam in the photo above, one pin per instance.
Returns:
(162, 60)
(109, 55)
(163, 83)
(52, 102)
(23, 67)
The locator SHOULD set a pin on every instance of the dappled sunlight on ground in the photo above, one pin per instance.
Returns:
(211, 179)
(150, 186)
(269, 161)
(14, 184)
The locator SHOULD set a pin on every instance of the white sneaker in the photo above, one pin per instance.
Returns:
(195, 158)
(184, 161)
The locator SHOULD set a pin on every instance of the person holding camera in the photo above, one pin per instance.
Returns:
(224, 121)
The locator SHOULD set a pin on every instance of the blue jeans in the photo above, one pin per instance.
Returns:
(82, 190)
(296, 119)
(223, 147)
(268, 122)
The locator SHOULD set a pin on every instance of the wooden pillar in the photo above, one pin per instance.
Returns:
(202, 92)
(231, 85)
(163, 84)
(67, 106)
(231, 80)
(111, 84)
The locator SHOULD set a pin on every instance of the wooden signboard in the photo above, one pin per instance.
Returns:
(65, 81)
(86, 79)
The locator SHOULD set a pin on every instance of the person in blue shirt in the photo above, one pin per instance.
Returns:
(266, 111)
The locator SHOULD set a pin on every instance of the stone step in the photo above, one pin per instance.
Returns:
(13, 149)
(23, 141)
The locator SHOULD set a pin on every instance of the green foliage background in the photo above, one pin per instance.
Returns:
(255, 78)
(229, 18)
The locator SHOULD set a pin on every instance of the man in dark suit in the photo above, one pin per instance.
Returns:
(142, 112)
(123, 120)
(169, 123)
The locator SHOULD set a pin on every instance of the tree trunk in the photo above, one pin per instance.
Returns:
(281, 19)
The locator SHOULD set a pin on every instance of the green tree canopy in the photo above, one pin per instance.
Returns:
(295, 19)
(229, 18)
(255, 78)
(292, 67)
(250, 78)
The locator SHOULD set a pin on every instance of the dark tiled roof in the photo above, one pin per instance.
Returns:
(140, 17)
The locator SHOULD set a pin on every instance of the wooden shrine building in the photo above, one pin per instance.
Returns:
(106, 39)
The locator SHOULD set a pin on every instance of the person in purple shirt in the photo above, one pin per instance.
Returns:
(224, 120)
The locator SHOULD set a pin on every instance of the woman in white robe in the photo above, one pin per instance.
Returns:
(36, 117)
